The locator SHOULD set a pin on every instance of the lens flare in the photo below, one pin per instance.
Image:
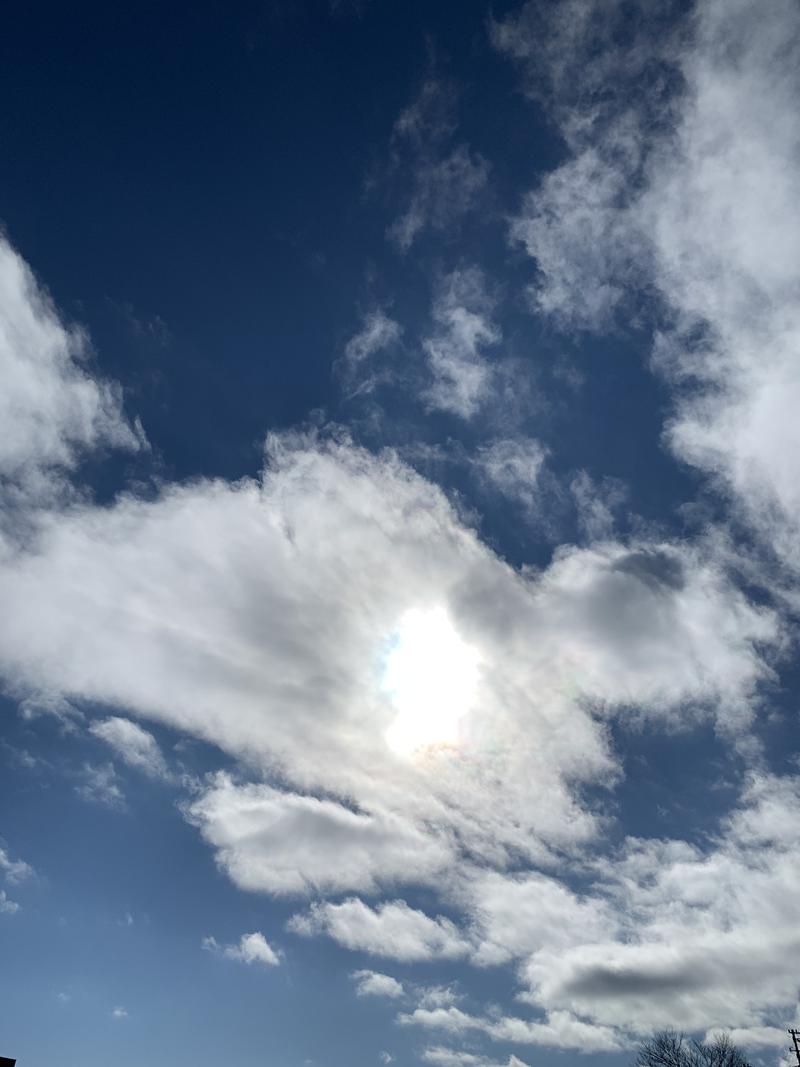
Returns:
(431, 677)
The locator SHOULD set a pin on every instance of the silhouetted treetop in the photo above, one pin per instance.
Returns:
(671, 1049)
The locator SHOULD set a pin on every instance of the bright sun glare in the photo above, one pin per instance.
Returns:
(431, 676)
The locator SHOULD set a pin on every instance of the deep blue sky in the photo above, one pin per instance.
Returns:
(214, 174)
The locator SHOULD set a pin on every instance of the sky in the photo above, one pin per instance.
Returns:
(399, 531)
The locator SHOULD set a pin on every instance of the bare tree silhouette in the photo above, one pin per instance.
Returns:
(671, 1049)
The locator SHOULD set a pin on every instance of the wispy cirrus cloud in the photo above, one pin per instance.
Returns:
(133, 744)
(678, 201)
(512, 467)
(463, 328)
(99, 784)
(377, 332)
(444, 178)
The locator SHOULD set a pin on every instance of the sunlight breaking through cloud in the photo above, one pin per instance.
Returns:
(431, 678)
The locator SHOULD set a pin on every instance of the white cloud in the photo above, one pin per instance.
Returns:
(285, 843)
(437, 996)
(360, 368)
(119, 1013)
(512, 467)
(595, 504)
(683, 184)
(7, 906)
(515, 915)
(462, 312)
(448, 1057)
(251, 948)
(725, 211)
(377, 332)
(393, 929)
(751, 1037)
(706, 937)
(374, 984)
(14, 870)
(339, 545)
(51, 406)
(100, 785)
(580, 240)
(167, 608)
(135, 745)
(559, 1029)
(604, 72)
(667, 934)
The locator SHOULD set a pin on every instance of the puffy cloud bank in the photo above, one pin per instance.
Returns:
(261, 616)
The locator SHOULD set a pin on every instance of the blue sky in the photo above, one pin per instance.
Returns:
(399, 521)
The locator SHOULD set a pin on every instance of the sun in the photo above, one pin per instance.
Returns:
(431, 677)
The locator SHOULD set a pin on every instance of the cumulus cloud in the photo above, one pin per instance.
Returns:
(514, 915)
(706, 936)
(285, 843)
(393, 930)
(135, 745)
(375, 984)
(250, 948)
